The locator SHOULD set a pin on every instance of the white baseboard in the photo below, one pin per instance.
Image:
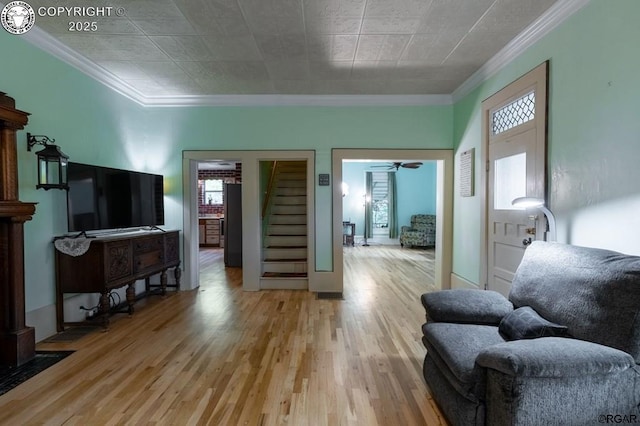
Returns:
(44, 319)
(459, 282)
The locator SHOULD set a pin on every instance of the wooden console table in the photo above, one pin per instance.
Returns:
(114, 261)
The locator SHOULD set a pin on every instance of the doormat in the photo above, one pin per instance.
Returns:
(72, 334)
(329, 295)
(10, 377)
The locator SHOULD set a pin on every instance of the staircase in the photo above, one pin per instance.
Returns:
(284, 247)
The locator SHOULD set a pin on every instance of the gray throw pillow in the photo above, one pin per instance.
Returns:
(525, 323)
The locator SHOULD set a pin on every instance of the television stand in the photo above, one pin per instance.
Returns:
(115, 261)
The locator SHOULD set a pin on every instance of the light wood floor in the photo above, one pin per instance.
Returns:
(221, 356)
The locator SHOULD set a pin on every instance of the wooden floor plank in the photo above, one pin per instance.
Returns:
(218, 355)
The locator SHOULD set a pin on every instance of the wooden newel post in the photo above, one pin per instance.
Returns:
(17, 341)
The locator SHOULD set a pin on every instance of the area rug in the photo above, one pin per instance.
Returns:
(10, 377)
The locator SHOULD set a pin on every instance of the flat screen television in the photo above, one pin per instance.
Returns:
(105, 198)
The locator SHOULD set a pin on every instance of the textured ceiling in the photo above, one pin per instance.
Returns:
(301, 47)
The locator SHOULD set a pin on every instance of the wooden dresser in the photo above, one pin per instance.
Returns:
(114, 261)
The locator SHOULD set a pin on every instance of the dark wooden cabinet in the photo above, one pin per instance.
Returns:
(114, 261)
(17, 340)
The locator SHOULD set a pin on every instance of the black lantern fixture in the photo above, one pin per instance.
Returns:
(52, 163)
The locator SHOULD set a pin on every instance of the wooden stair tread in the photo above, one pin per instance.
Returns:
(284, 275)
(285, 260)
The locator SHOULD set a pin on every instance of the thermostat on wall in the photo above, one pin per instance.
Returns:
(323, 179)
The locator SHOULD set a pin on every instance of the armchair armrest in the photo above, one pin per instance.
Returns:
(556, 380)
(554, 357)
(466, 306)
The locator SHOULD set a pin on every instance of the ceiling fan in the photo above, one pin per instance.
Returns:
(397, 164)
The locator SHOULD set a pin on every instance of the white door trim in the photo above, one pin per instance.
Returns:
(251, 211)
(444, 204)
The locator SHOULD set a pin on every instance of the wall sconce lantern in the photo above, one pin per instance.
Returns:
(52, 163)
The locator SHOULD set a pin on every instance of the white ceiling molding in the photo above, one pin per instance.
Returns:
(546, 23)
(557, 14)
(299, 100)
(51, 45)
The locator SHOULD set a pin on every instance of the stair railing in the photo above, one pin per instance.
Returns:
(265, 203)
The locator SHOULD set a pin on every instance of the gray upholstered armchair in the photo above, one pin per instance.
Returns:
(421, 233)
(563, 349)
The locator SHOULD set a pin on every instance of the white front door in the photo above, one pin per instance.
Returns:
(515, 140)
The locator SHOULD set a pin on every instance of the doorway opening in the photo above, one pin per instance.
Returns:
(249, 219)
(351, 208)
(285, 229)
(219, 242)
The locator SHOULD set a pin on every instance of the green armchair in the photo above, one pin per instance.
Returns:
(421, 233)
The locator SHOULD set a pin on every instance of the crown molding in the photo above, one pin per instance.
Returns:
(552, 18)
(542, 26)
(299, 100)
(51, 45)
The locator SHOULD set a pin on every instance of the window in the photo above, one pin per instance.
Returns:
(514, 114)
(380, 200)
(510, 181)
(212, 191)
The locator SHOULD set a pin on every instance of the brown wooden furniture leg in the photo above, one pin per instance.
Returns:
(104, 308)
(177, 273)
(163, 282)
(131, 296)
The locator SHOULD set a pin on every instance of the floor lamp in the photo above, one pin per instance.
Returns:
(367, 205)
(538, 203)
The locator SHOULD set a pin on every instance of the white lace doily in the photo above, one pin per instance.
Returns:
(73, 246)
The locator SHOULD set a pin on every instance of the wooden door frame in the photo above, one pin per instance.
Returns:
(444, 205)
(486, 107)
(251, 220)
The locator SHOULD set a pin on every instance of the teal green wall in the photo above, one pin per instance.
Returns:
(84, 117)
(594, 132)
(416, 192)
(594, 137)
(95, 125)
